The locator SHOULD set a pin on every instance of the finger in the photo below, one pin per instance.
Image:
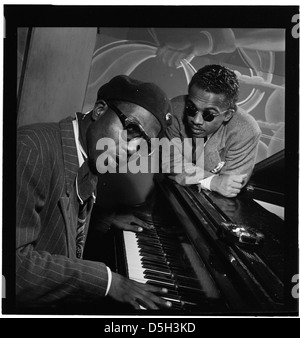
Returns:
(161, 301)
(238, 179)
(135, 305)
(147, 304)
(153, 302)
(156, 289)
(235, 190)
(128, 227)
(242, 177)
(141, 223)
(236, 185)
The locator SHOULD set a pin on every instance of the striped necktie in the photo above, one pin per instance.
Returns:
(87, 183)
(80, 238)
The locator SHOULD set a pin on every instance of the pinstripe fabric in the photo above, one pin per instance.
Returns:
(47, 269)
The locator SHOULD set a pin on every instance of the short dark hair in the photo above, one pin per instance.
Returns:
(219, 80)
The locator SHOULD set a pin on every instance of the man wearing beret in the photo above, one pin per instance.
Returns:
(224, 138)
(56, 184)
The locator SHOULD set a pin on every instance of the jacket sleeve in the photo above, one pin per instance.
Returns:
(41, 277)
(241, 151)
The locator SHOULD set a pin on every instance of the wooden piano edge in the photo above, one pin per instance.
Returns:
(242, 291)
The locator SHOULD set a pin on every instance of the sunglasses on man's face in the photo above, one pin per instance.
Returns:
(133, 128)
(207, 115)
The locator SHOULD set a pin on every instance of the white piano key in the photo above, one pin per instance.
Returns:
(134, 262)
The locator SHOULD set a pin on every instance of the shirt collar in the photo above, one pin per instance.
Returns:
(86, 181)
(82, 156)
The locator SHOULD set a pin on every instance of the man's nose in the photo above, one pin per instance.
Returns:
(198, 119)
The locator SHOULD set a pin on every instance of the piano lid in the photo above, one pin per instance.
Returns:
(267, 181)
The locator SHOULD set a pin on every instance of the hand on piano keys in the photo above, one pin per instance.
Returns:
(127, 222)
(137, 294)
(149, 262)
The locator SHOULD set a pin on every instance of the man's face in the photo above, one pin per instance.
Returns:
(205, 102)
(109, 126)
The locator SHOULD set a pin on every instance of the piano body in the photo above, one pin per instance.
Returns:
(207, 273)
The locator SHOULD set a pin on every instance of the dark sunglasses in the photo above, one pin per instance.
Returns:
(207, 115)
(134, 129)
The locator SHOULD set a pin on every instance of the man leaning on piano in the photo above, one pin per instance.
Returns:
(224, 137)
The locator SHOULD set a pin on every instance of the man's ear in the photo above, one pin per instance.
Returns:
(228, 115)
(99, 109)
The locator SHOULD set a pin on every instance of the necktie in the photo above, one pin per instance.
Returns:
(80, 238)
(87, 183)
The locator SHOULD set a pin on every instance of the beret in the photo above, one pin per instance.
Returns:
(144, 94)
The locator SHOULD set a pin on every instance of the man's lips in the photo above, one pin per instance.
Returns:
(197, 130)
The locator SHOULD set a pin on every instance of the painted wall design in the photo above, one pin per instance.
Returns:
(170, 56)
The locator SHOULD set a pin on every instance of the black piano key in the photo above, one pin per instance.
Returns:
(155, 264)
(152, 255)
(147, 265)
(156, 276)
(152, 270)
(151, 250)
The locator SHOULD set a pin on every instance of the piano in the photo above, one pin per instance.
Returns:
(188, 250)
(205, 271)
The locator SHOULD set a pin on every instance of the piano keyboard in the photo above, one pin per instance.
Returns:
(159, 257)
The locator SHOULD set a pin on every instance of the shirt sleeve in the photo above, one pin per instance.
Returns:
(205, 183)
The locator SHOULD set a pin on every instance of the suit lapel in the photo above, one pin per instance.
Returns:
(71, 163)
(68, 202)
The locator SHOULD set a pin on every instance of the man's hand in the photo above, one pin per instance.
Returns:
(228, 185)
(129, 222)
(122, 221)
(191, 175)
(137, 294)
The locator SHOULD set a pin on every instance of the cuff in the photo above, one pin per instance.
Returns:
(205, 183)
(109, 277)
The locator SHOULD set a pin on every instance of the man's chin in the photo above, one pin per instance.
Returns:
(198, 135)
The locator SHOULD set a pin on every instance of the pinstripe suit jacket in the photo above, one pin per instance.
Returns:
(234, 143)
(47, 270)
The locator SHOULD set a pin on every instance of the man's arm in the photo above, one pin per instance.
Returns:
(41, 277)
(239, 163)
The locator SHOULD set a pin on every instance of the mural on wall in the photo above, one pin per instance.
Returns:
(170, 56)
